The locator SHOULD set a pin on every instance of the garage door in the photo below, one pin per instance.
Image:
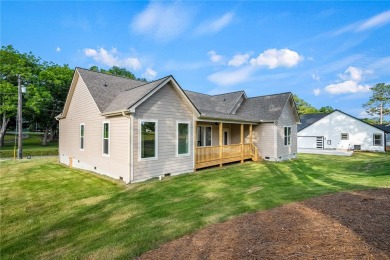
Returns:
(311, 142)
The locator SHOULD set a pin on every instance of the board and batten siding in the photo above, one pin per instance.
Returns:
(287, 118)
(167, 107)
(83, 110)
(331, 127)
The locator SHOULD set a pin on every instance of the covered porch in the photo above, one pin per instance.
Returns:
(217, 143)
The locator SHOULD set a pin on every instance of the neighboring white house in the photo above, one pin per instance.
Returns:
(338, 130)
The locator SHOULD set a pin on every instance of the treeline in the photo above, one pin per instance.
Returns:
(47, 87)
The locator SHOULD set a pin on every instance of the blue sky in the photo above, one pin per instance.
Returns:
(328, 53)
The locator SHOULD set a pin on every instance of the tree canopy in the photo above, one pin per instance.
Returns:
(117, 71)
(306, 108)
(379, 102)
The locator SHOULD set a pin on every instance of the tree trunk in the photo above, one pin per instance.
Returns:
(3, 129)
(51, 136)
(45, 134)
(381, 113)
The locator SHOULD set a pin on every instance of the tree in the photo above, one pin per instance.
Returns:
(379, 102)
(47, 97)
(304, 107)
(117, 71)
(326, 109)
(12, 64)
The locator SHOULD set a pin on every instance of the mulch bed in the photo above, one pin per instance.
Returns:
(348, 225)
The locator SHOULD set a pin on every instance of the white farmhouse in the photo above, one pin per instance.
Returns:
(338, 130)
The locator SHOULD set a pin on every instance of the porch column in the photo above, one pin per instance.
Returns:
(250, 134)
(242, 143)
(220, 143)
(195, 144)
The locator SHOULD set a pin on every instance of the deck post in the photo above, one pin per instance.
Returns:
(242, 143)
(195, 130)
(220, 142)
(250, 134)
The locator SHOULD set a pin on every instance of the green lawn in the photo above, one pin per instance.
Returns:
(32, 145)
(51, 211)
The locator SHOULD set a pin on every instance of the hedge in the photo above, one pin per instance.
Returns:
(10, 153)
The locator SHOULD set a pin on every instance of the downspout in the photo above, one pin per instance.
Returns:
(276, 141)
(129, 155)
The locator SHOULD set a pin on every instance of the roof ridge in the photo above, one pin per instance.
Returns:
(198, 92)
(227, 93)
(148, 83)
(107, 74)
(271, 95)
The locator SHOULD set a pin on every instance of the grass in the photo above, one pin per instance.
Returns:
(51, 211)
(32, 145)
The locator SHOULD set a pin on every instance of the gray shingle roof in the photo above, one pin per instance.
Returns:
(104, 87)
(256, 109)
(309, 119)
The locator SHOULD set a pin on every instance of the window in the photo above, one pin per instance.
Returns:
(204, 136)
(106, 138)
(344, 136)
(183, 138)
(82, 127)
(287, 135)
(148, 141)
(377, 139)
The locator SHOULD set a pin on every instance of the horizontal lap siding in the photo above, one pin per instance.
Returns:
(166, 106)
(287, 118)
(264, 139)
(83, 109)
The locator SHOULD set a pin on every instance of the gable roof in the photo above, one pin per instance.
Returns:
(257, 109)
(309, 119)
(384, 127)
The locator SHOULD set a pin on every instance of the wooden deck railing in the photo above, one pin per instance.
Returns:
(212, 155)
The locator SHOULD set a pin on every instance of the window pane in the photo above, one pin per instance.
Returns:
(148, 139)
(105, 131)
(183, 138)
(81, 130)
(208, 136)
(377, 139)
(105, 146)
(82, 143)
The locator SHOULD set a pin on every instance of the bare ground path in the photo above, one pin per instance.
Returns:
(349, 225)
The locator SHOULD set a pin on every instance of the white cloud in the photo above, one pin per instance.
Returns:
(215, 25)
(149, 74)
(58, 49)
(225, 78)
(315, 76)
(354, 74)
(239, 60)
(317, 92)
(164, 22)
(376, 21)
(111, 58)
(273, 58)
(348, 86)
(214, 57)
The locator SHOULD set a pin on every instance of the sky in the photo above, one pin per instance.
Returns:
(329, 53)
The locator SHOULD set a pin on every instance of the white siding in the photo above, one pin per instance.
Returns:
(336, 123)
(166, 106)
(287, 118)
(264, 139)
(83, 109)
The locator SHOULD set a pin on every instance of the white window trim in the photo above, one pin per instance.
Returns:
(177, 138)
(373, 139)
(341, 136)
(140, 137)
(82, 149)
(288, 136)
(211, 139)
(109, 138)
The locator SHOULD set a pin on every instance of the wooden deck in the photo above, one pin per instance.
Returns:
(218, 155)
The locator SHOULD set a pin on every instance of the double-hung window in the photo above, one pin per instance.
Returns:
(106, 138)
(287, 135)
(183, 138)
(204, 136)
(377, 139)
(82, 133)
(344, 136)
(148, 139)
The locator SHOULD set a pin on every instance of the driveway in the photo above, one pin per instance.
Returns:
(327, 152)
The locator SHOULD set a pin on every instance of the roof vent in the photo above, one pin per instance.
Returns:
(105, 84)
(224, 99)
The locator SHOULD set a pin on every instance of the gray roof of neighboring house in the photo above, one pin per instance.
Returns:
(112, 93)
(384, 127)
(309, 119)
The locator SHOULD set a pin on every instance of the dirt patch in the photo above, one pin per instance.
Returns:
(349, 225)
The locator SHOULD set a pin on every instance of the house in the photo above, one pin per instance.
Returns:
(338, 130)
(132, 130)
(386, 129)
